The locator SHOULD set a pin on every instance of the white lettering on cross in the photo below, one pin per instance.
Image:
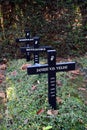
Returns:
(65, 67)
(52, 68)
(42, 70)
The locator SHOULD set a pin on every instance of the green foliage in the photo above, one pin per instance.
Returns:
(61, 24)
(24, 102)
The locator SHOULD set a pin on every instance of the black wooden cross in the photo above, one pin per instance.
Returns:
(51, 68)
(36, 49)
(26, 40)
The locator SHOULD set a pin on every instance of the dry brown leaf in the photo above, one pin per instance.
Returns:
(2, 76)
(3, 67)
(59, 100)
(59, 83)
(75, 72)
(82, 89)
(2, 95)
(24, 67)
(52, 112)
(40, 111)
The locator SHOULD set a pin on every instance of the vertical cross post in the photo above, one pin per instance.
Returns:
(52, 78)
(36, 54)
(27, 35)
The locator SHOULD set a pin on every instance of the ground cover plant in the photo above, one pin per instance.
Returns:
(27, 105)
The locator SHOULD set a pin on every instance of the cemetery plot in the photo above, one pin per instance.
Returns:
(51, 68)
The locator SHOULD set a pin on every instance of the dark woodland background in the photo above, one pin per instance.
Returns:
(60, 23)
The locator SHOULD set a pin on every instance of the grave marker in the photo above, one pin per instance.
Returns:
(51, 68)
(27, 35)
(26, 40)
(36, 49)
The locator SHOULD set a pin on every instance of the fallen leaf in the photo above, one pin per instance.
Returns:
(59, 100)
(34, 87)
(75, 72)
(24, 67)
(59, 83)
(40, 111)
(52, 112)
(14, 73)
(69, 59)
(2, 76)
(82, 89)
(3, 67)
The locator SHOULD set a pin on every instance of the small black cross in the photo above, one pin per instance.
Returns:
(26, 40)
(51, 68)
(36, 49)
